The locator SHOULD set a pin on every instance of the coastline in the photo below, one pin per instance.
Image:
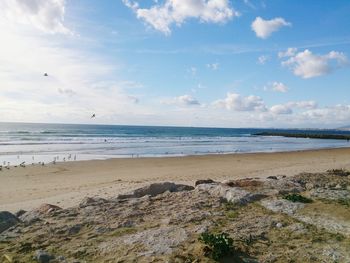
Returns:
(66, 184)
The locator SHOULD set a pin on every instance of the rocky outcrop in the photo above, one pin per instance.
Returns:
(330, 194)
(7, 220)
(35, 215)
(234, 195)
(156, 189)
(282, 206)
(162, 222)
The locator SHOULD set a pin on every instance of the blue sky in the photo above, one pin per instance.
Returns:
(175, 62)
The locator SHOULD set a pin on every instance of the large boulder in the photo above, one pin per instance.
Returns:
(234, 195)
(35, 215)
(282, 206)
(156, 189)
(330, 194)
(204, 181)
(7, 220)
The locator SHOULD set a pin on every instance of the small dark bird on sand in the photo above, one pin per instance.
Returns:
(93, 115)
(45, 74)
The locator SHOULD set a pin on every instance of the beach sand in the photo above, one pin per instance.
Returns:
(66, 184)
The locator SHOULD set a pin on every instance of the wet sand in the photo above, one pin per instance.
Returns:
(66, 184)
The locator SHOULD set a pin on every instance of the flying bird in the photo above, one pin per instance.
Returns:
(93, 116)
(45, 74)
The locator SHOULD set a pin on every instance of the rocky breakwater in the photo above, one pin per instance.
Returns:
(304, 218)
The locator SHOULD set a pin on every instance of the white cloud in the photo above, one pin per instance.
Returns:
(213, 66)
(305, 64)
(310, 104)
(263, 59)
(289, 106)
(288, 53)
(45, 15)
(236, 102)
(184, 100)
(264, 28)
(281, 109)
(279, 87)
(78, 82)
(162, 16)
(338, 114)
(68, 92)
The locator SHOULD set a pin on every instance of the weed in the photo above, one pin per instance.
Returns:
(297, 198)
(218, 245)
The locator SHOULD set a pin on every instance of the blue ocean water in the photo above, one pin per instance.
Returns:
(34, 143)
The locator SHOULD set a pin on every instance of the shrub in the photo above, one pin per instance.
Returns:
(297, 198)
(218, 245)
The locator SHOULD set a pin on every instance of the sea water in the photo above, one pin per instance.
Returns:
(34, 143)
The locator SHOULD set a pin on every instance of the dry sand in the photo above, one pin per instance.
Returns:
(66, 184)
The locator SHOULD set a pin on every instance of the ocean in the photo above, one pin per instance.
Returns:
(34, 143)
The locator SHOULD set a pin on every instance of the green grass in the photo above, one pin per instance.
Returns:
(297, 198)
(218, 245)
(345, 202)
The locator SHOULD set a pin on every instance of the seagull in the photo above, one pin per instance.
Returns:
(93, 116)
(45, 74)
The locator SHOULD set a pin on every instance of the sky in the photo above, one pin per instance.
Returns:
(206, 63)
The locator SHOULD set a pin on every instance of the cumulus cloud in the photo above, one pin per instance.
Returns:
(328, 115)
(289, 106)
(281, 109)
(288, 53)
(162, 16)
(184, 100)
(305, 64)
(264, 28)
(279, 87)
(236, 102)
(45, 15)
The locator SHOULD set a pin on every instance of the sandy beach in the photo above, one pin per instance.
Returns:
(66, 184)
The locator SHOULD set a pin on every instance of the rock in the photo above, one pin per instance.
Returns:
(247, 182)
(43, 257)
(330, 194)
(279, 225)
(205, 181)
(47, 208)
(90, 201)
(36, 214)
(309, 186)
(234, 195)
(284, 186)
(272, 177)
(158, 241)
(7, 220)
(156, 189)
(283, 206)
(74, 229)
(20, 212)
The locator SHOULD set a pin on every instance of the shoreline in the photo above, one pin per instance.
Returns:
(66, 183)
(103, 157)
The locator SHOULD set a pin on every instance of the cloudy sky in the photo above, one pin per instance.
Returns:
(242, 63)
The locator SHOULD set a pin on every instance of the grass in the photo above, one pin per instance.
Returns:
(123, 231)
(345, 202)
(297, 198)
(218, 245)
